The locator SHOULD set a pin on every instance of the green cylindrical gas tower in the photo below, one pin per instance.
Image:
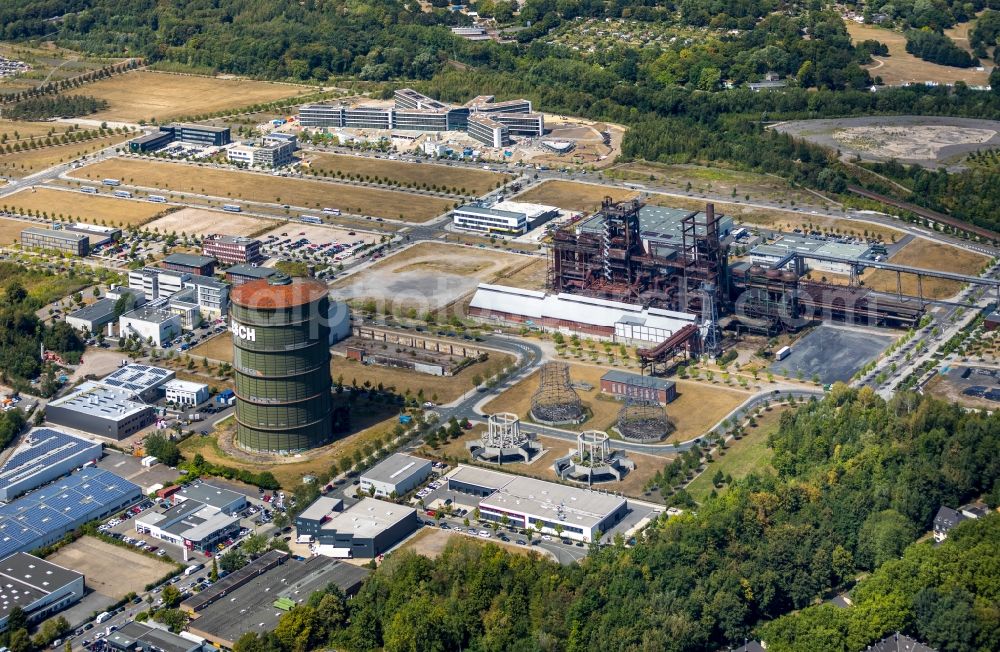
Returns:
(281, 355)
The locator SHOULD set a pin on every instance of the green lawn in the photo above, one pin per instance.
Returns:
(748, 454)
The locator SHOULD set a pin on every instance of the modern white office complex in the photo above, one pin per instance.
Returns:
(473, 217)
(271, 154)
(486, 120)
(396, 475)
(151, 323)
(571, 512)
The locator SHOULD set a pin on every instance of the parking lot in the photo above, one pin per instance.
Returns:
(831, 354)
(257, 517)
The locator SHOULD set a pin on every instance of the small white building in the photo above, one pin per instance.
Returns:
(151, 323)
(185, 392)
(397, 475)
(482, 219)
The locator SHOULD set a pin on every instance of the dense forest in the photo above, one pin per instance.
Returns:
(54, 106)
(21, 333)
(857, 481)
(937, 48)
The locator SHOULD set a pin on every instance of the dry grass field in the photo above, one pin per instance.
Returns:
(698, 406)
(901, 67)
(83, 207)
(102, 563)
(26, 163)
(258, 187)
(928, 255)
(572, 196)
(474, 182)
(532, 276)
(445, 388)
(15, 130)
(427, 276)
(48, 62)
(219, 348)
(10, 231)
(146, 95)
(787, 221)
(719, 181)
(198, 221)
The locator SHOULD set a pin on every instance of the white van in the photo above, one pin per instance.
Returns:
(191, 570)
(101, 617)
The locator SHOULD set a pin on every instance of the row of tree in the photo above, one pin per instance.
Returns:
(54, 106)
(937, 48)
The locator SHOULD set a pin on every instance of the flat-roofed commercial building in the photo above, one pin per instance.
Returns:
(366, 529)
(488, 131)
(205, 135)
(43, 456)
(143, 381)
(152, 323)
(99, 235)
(311, 519)
(191, 524)
(70, 242)
(396, 475)
(150, 142)
(232, 249)
(255, 597)
(237, 275)
(420, 120)
(190, 264)
(624, 385)
(367, 117)
(93, 318)
(185, 392)
(488, 104)
(157, 283)
(218, 498)
(211, 295)
(139, 637)
(473, 217)
(571, 512)
(272, 155)
(38, 587)
(100, 410)
(321, 115)
(45, 515)
(522, 124)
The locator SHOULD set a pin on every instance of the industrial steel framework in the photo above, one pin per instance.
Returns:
(614, 264)
(555, 401)
(504, 431)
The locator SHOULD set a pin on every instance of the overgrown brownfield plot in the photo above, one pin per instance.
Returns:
(787, 221)
(227, 184)
(718, 181)
(83, 207)
(219, 348)
(25, 163)
(902, 67)
(198, 221)
(698, 407)
(431, 542)
(102, 563)
(147, 95)
(572, 196)
(466, 180)
(532, 276)
(10, 231)
(427, 276)
(928, 255)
